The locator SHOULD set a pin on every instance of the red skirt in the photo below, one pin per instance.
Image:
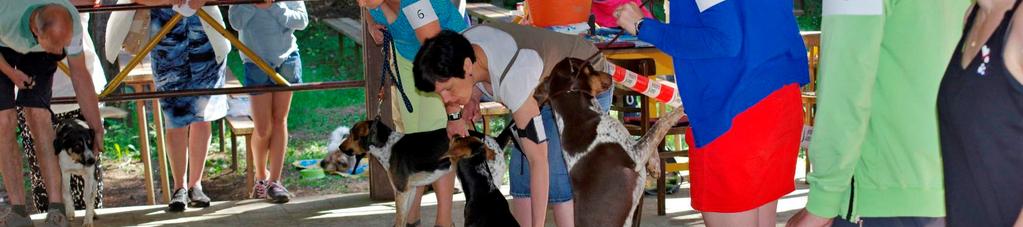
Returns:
(752, 164)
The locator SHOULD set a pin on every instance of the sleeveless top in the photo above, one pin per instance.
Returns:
(980, 115)
(405, 35)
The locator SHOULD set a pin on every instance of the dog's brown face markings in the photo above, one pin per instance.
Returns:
(358, 139)
(463, 147)
(572, 75)
(76, 139)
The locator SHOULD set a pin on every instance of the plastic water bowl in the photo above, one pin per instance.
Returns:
(307, 163)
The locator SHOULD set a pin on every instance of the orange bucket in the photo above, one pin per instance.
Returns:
(558, 12)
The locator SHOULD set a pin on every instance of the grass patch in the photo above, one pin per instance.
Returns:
(319, 112)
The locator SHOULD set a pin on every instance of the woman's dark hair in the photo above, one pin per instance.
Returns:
(441, 58)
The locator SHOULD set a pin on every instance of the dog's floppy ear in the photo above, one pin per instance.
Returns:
(378, 134)
(90, 137)
(58, 145)
(542, 91)
(63, 133)
(479, 145)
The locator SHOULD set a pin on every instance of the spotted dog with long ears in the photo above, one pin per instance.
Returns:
(602, 159)
(73, 146)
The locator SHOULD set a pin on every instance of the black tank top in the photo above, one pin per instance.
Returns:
(980, 115)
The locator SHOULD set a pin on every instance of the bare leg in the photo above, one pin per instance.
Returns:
(262, 119)
(10, 158)
(444, 189)
(744, 218)
(522, 210)
(564, 214)
(767, 214)
(198, 145)
(279, 135)
(177, 151)
(41, 124)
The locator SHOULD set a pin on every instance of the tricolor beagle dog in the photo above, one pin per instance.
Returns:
(411, 160)
(481, 168)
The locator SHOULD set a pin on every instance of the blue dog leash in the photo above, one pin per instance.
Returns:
(395, 76)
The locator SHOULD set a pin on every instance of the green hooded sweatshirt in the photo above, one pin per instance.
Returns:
(875, 150)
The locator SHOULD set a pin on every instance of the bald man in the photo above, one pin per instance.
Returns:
(35, 35)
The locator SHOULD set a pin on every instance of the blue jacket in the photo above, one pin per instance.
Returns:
(728, 57)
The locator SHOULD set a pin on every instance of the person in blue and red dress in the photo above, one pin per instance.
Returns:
(739, 65)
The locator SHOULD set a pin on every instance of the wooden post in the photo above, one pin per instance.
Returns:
(379, 185)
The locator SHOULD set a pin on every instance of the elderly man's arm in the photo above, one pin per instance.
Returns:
(85, 93)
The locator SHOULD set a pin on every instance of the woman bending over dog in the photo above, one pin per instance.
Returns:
(506, 62)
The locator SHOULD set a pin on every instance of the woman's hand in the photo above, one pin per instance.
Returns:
(628, 15)
(457, 128)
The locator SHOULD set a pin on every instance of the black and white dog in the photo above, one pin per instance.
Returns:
(481, 167)
(73, 146)
(411, 160)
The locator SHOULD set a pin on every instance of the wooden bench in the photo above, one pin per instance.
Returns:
(486, 12)
(231, 81)
(346, 27)
(242, 126)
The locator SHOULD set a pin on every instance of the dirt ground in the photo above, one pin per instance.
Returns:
(124, 185)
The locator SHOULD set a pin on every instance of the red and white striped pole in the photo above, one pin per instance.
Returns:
(662, 91)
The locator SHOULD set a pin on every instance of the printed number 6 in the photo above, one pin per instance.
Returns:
(420, 14)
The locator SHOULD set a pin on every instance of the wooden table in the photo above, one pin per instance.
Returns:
(663, 61)
(140, 79)
(486, 12)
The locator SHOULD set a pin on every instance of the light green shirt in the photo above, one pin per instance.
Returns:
(875, 149)
(15, 32)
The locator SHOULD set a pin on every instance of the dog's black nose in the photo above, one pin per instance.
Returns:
(90, 162)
